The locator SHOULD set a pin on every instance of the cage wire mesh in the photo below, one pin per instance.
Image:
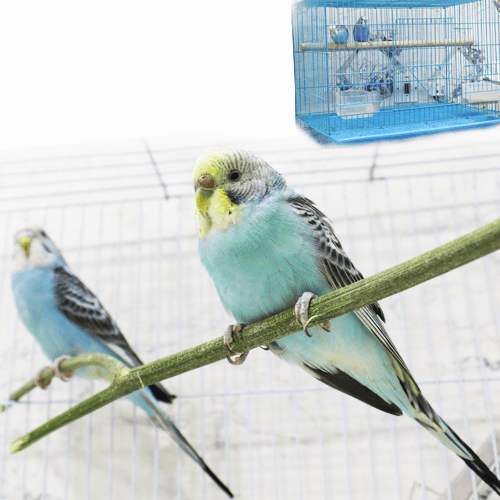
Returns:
(268, 430)
(369, 69)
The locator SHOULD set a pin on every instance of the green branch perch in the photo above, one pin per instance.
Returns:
(396, 279)
(112, 365)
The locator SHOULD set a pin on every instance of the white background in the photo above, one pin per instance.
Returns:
(105, 70)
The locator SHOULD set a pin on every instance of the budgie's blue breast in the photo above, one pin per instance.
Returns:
(35, 300)
(259, 266)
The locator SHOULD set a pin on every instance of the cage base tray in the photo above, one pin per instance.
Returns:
(397, 123)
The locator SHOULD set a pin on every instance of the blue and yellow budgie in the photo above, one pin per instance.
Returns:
(267, 249)
(67, 319)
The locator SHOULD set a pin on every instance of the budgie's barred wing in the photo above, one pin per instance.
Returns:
(340, 272)
(83, 308)
(338, 269)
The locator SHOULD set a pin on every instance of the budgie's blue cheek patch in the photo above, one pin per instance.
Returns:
(235, 198)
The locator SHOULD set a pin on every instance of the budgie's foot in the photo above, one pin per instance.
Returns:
(232, 334)
(56, 370)
(64, 376)
(302, 312)
(39, 382)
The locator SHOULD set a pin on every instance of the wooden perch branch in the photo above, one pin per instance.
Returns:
(396, 279)
(394, 44)
(112, 365)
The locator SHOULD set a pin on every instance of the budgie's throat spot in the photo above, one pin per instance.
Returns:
(26, 244)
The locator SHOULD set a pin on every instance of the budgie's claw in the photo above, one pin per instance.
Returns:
(64, 376)
(326, 325)
(238, 360)
(231, 334)
(39, 382)
(302, 312)
(302, 308)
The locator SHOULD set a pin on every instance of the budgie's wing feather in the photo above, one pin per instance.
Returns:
(350, 386)
(339, 271)
(83, 308)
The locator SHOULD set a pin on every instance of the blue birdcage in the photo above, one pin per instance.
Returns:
(368, 70)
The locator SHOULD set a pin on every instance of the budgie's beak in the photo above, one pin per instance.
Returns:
(204, 186)
(25, 244)
(206, 182)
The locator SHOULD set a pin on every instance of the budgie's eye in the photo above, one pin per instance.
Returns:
(234, 175)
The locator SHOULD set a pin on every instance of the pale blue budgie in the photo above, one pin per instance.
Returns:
(267, 249)
(66, 318)
(339, 34)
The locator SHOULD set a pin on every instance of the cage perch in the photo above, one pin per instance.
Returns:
(377, 45)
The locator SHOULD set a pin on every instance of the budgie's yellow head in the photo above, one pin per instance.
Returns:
(225, 180)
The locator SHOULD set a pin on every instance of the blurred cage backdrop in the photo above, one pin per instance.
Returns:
(123, 216)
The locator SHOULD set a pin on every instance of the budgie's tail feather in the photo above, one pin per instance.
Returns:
(442, 431)
(163, 422)
(420, 409)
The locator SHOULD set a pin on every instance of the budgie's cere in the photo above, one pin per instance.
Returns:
(66, 318)
(268, 248)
